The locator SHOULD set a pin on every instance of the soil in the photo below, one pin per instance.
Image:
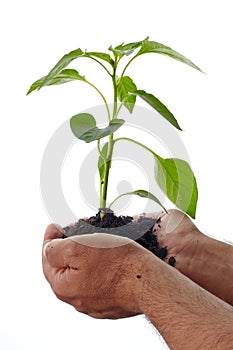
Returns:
(140, 231)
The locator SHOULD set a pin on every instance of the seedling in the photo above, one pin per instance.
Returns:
(174, 176)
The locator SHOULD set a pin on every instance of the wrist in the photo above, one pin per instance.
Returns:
(188, 252)
(211, 266)
(175, 306)
(148, 281)
(137, 270)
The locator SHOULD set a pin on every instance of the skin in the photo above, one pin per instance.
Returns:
(205, 260)
(136, 282)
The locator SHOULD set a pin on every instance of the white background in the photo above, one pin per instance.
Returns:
(34, 35)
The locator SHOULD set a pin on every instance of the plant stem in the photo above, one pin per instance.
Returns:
(104, 99)
(139, 144)
(104, 186)
(127, 65)
(121, 195)
(94, 59)
(111, 141)
(115, 93)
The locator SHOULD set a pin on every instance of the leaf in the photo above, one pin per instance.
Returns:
(103, 56)
(84, 127)
(101, 161)
(155, 103)
(54, 75)
(177, 181)
(61, 64)
(140, 193)
(146, 194)
(81, 123)
(155, 47)
(126, 49)
(124, 87)
(65, 76)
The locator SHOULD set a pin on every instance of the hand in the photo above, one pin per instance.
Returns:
(178, 233)
(97, 273)
(183, 240)
(107, 276)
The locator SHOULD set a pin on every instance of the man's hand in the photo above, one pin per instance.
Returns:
(97, 274)
(178, 233)
(107, 276)
(206, 261)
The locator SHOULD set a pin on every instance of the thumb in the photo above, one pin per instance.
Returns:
(53, 231)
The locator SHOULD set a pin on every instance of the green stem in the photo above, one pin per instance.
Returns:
(94, 59)
(139, 144)
(116, 199)
(104, 186)
(98, 147)
(102, 96)
(115, 93)
(127, 65)
(101, 183)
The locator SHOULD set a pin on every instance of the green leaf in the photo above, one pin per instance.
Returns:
(84, 127)
(126, 49)
(155, 47)
(61, 64)
(57, 72)
(140, 193)
(177, 181)
(146, 194)
(103, 56)
(65, 76)
(101, 161)
(155, 103)
(125, 90)
(82, 123)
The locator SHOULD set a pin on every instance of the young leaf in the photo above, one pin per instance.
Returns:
(126, 49)
(155, 103)
(61, 64)
(84, 127)
(177, 181)
(155, 47)
(146, 194)
(103, 56)
(140, 193)
(63, 77)
(125, 90)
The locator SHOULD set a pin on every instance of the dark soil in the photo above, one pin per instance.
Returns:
(140, 231)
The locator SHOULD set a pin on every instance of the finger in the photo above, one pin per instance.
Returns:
(73, 251)
(100, 240)
(59, 252)
(161, 227)
(175, 220)
(53, 231)
(156, 216)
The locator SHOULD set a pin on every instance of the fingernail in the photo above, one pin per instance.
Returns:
(163, 215)
(44, 248)
(60, 229)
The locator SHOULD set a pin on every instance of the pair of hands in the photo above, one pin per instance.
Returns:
(100, 274)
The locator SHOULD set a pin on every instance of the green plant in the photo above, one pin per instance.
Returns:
(174, 176)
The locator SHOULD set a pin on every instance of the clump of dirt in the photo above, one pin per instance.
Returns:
(109, 220)
(140, 230)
